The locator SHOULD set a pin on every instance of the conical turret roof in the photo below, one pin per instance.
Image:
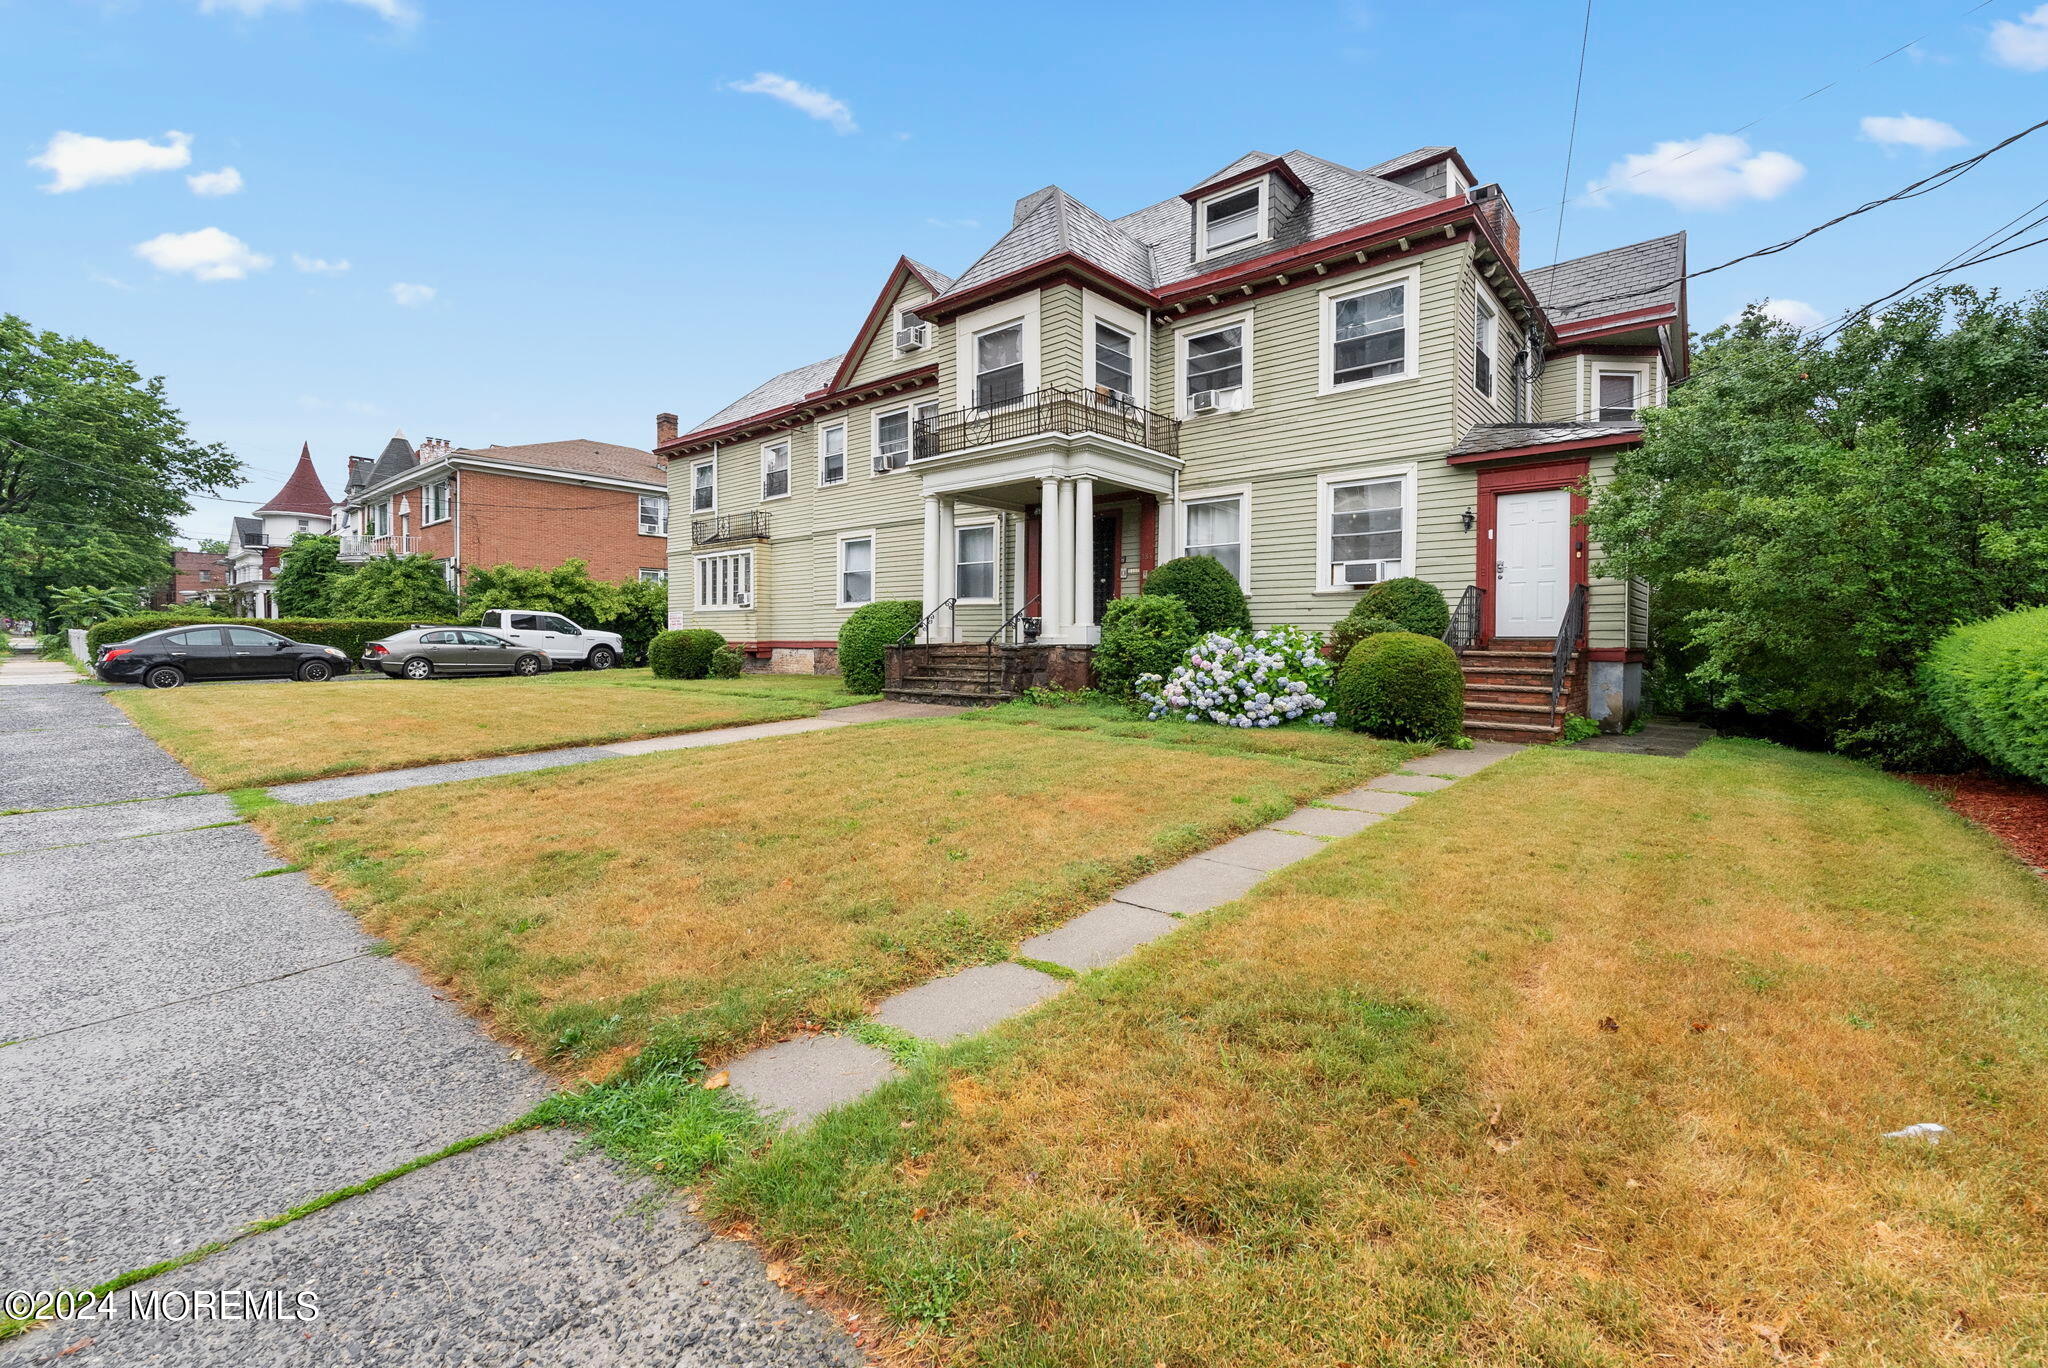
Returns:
(303, 492)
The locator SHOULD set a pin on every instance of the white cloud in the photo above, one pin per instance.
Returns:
(111, 282)
(398, 12)
(1796, 312)
(76, 160)
(1711, 172)
(208, 254)
(808, 99)
(319, 265)
(226, 181)
(2023, 46)
(1910, 130)
(412, 296)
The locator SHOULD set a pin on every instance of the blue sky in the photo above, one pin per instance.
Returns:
(558, 219)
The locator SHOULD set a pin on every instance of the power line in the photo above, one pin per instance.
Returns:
(107, 472)
(1571, 142)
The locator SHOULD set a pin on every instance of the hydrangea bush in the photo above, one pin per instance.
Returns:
(1246, 679)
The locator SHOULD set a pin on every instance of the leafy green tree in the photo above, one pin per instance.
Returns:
(637, 611)
(1811, 518)
(212, 546)
(82, 606)
(95, 468)
(306, 572)
(393, 587)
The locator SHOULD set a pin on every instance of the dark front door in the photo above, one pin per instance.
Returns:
(1109, 559)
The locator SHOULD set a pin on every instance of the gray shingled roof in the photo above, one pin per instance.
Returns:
(1053, 222)
(245, 528)
(785, 388)
(1618, 280)
(1507, 436)
(580, 456)
(1396, 165)
(396, 458)
(940, 281)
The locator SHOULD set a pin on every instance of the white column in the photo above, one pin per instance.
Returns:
(949, 569)
(1049, 576)
(1084, 559)
(1014, 546)
(931, 556)
(1167, 543)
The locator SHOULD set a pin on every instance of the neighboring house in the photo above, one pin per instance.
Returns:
(1323, 377)
(532, 506)
(303, 505)
(196, 576)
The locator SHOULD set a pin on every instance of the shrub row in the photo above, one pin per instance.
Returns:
(1989, 681)
(347, 634)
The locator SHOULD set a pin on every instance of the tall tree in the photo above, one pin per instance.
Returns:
(393, 587)
(212, 546)
(1811, 518)
(94, 467)
(306, 572)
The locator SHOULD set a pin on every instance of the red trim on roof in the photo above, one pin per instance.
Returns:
(1480, 458)
(803, 410)
(868, 328)
(1448, 154)
(1277, 165)
(1617, 322)
(1066, 267)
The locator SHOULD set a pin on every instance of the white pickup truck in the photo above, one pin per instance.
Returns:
(564, 642)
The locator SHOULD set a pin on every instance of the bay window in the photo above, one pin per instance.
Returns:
(1486, 338)
(1618, 397)
(725, 582)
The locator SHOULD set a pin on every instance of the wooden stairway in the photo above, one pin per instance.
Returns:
(1507, 691)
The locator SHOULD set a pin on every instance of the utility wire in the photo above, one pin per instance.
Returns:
(105, 472)
(1571, 142)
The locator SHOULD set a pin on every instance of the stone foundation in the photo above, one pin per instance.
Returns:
(803, 660)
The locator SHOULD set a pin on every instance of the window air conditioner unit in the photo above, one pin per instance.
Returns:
(1212, 401)
(1105, 394)
(913, 337)
(1363, 574)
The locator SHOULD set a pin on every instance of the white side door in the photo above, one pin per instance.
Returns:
(1532, 554)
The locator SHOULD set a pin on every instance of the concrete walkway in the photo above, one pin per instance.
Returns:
(801, 1079)
(197, 1041)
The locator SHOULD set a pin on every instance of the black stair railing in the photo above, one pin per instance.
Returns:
(1463, 633)
(1020, 624)
(1568, 633)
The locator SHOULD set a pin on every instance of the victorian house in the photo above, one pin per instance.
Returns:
(255, 542)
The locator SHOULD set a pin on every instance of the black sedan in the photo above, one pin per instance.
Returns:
(167, 658)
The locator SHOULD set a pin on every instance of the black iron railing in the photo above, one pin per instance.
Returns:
(1056, 408)
(1463, 633)
(729, 527)
(1568, 633)
(927, 620)
(1016, 629)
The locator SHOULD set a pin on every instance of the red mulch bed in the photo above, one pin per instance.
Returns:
(2013, 810)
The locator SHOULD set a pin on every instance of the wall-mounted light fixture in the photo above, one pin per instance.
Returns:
(1470, 520)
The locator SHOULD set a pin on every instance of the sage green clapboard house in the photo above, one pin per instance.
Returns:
(1322, 377)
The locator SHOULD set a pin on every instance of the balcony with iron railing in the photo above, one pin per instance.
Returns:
(1056, 409)
(357, 548)
(729, 527)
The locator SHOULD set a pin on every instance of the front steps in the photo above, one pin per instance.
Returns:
(961, 676)
(1507, 692)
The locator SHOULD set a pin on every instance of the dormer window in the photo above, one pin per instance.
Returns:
(1233, 219)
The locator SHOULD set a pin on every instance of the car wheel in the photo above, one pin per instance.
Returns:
(602, 658)
(417, 668)
(526, 665)
(316, 672)
(163, 677)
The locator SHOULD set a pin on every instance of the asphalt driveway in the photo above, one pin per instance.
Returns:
(195, 1041)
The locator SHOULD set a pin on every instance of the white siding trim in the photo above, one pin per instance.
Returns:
(1025, 309)
(874, 568)
(1243, 495)
(1410, 533)
(1411, 323)
(1197, 328)
(1095, 309)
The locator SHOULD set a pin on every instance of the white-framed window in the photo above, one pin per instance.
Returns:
(434, 506)
(974, 563)
(1231, 219)
(380, 519)
(1369, 332)
(1214, 526)
(906, 319)
(451, 574)
(725, 583)
(856, 569)
(1365, 523)
(832, 454)
(653, 515)
(653, 575)
(892, 441)
(999, 365)
(704, 487)
(775, 471)
(1619, 395)
(1485, 344)
(1115, 359)
(1214, 358)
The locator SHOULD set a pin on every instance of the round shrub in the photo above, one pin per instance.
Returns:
(866, 634)
(1353, 628)
(725, 664)
(1402, 686)
(683, 654)
(1211, 592)
(1145, 634)
(1417, 605)
(1989, 681)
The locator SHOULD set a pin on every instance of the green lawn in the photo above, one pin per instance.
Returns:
(1582, 1062)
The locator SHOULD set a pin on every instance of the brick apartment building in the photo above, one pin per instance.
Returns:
(533, 506)
(195, 575)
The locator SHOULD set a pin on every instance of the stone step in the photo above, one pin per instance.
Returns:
(1531, 692)
(936, 679)
(1509, 712)
(1523, 732)
(950, 698)
(1493, 653)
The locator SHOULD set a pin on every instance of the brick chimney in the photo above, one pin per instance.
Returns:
(1500, 217)
(433, 449)
(664, 428)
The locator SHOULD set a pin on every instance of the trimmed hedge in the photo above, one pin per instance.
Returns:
(1989, 681)
(349, 634)
(1353, 628)
(1417, 605)
(869, 631)
(725, 664)
(1143, 634)
(1402, 686)
(683, 654)
(1211, 592)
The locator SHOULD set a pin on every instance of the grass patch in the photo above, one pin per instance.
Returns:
(662, 1121)
(1583, 1062)
(691, 903)
(248, 735)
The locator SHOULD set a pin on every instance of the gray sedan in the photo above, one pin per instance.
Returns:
(428, 651)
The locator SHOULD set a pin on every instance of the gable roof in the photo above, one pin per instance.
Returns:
(303, 492)
(396, 458)
(1052, 223)
(580, 456)
(938, 282)
(783, 390)
(1641, 275)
